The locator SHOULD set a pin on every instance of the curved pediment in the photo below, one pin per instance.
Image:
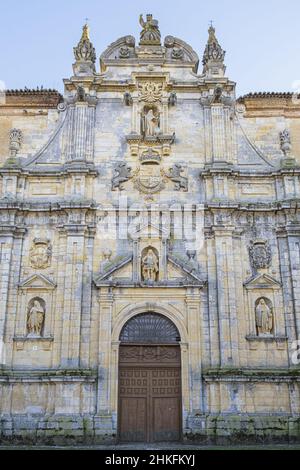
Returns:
(122, 49)
(179, 51)
(175, 51)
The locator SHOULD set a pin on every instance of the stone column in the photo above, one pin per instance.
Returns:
(195, 337)
(72, 295)
(289, 256)
(80, 132)
(85, 335)
(225, 265)
(218, 133)
(212, 300)
(11, 247)
(103, 422)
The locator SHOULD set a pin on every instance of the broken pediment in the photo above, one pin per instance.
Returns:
(148, 231)
(262, 281)
(37, 281)
(124, 273)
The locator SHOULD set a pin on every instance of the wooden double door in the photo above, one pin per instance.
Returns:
(149, 393)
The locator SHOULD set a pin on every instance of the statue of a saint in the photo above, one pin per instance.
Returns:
(150, 266)
(151, 124)
(35, 319)
(264, 318)
(150, 34)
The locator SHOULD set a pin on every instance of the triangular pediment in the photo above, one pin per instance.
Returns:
(179, 273)
(180, 269)
(148, 231)
(117, 269)
(37, 281)
(262, 281)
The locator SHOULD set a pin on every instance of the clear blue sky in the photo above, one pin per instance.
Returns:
(261, 37)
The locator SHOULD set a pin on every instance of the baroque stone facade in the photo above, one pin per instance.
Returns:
(149, 205)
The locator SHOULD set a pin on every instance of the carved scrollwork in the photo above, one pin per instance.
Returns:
(150, 92)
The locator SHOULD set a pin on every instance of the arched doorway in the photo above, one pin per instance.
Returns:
(149, 380)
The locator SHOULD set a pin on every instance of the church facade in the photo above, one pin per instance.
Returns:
(150, 252)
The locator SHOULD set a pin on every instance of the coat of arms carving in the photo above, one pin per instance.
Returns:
(260, 254)
(150, 179)
(40, 254)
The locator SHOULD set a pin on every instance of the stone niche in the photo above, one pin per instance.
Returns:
(263, 300)
(35, 316)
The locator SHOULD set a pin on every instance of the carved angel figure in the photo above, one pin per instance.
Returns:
(150, 33)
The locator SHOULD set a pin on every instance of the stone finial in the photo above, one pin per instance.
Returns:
(285, 142)
(213, 58)
(150, 34)
(85, 54)
(15, 141)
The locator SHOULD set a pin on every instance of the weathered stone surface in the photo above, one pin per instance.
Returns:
(79, 257)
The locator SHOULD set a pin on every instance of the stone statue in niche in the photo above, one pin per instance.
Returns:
(260, 254)
(35, 318)
(40, 254)
(150, 266)
(264, 317)
(150, 34)
(150, 125)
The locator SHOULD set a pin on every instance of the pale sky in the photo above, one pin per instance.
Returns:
(261, 37)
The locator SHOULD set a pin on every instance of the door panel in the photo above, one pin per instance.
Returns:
(166, 419)
(149, 393)
(133, 422)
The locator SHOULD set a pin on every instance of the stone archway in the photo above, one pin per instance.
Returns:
(149, 380)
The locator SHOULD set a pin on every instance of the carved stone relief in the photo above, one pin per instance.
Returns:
(260, 254)
(150, 92)
(15, 141)
(40, 254)
(122, 173)
(181, 182)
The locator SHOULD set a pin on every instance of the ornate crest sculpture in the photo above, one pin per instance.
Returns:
(40, 254)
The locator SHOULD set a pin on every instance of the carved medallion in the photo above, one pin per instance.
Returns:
(40, 254)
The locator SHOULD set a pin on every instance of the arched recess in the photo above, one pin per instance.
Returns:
(150, 389)
(150, 328)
